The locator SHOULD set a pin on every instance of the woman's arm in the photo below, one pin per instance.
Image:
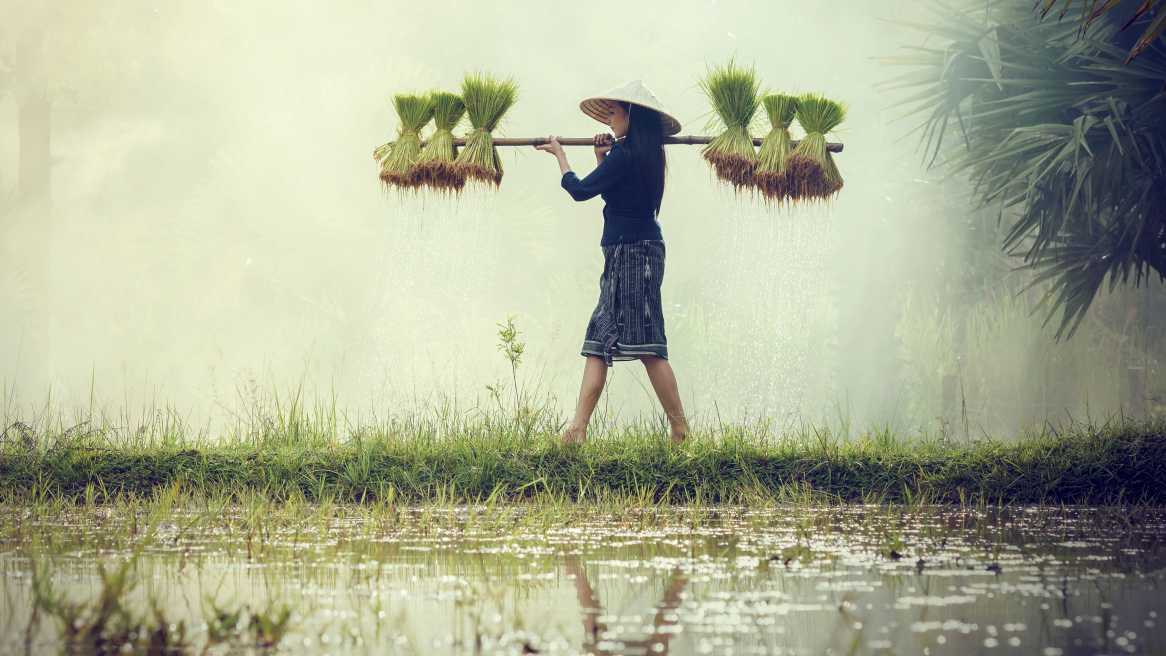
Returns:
(609, 171)
(565, 166)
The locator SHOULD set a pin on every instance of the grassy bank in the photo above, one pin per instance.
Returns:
(1119, 462)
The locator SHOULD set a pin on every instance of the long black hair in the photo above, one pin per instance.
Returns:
(645, 143)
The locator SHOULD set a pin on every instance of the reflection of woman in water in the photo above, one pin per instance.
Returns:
(628, 321)
(592, 608)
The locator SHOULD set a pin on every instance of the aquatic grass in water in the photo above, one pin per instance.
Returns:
(434, 167)
(771, 175)
(813, 173)
(657, 579)
(107, 625)
(413, 112)
(734, 94)
(110, 623)
(486, 100)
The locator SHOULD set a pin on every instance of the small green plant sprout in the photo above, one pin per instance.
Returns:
(891, 545)
(512, 347)
(530, 409)
(800, 550)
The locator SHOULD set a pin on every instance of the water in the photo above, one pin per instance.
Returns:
(778, 256)
(796, 580)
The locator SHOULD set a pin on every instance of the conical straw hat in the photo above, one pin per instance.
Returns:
(633, 92)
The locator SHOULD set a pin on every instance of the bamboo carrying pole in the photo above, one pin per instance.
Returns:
(692, 140)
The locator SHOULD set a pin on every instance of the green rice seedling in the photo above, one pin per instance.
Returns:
(734, 95)
(812, 170)
(770, 175)
(434, 167)
(487, 100)
(379, 153)
(414, 111)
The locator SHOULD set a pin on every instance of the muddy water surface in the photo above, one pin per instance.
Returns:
(786, 580)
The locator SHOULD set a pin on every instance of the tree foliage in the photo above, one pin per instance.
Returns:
(1057, 131)
(1092, 10)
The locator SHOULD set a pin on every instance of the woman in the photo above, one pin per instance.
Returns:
(628, 320)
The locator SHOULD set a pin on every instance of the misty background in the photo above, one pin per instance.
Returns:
(212, 230)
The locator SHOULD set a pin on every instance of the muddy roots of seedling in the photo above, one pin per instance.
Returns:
(396, 169)
(413, 111)
(434, 167)
(771, 175)
(811, 166)
(774, 186)
(439, 175)
(812, 172)
(733, 93)
(479, 159)
(731, 168)
(438, 172)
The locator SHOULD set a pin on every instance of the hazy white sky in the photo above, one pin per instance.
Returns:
(217, 222)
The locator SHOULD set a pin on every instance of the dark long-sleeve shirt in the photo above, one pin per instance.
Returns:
(629, 212)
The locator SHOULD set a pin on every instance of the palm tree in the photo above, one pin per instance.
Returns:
(1058, 133)
(1091, 10)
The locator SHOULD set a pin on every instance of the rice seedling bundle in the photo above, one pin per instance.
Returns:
(435, 164)
(771, 175)
(813, 173)
(380, 151)
(486, 100)
(733, 93)
(413, 112)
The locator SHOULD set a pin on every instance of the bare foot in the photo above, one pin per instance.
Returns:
(679, 431)
(573, 434)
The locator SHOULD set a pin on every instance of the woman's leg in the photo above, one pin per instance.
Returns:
(664, 382)
(594, 375)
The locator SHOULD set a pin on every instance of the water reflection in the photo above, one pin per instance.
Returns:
(596, 636)
(841, 580)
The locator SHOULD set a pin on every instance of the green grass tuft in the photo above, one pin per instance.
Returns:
(454, 458)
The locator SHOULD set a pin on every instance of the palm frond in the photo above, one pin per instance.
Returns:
(1056, 130)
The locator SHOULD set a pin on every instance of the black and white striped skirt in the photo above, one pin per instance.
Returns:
(628, 320)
